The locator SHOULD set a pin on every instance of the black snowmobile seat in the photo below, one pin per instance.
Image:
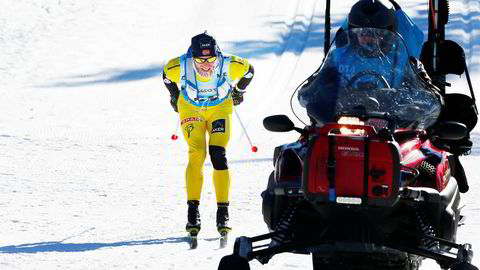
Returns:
(458, 107)
(451, 55)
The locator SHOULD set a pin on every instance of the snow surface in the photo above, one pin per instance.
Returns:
(89, 178)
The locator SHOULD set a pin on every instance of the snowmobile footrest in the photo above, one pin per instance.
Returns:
(244, 247)
(463, 256)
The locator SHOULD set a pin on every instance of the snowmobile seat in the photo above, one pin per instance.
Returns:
(458, 107)
(450, 54)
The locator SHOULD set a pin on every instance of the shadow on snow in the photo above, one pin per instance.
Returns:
(299, 37)
(110, 76)
(242, 161)
(81, 247)
(250, 49)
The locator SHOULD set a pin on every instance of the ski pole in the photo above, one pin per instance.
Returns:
(254, 148)
(174, 136)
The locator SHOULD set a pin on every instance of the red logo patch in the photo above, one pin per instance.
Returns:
(205, 52)
(191, 119)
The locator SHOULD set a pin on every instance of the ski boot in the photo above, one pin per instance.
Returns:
(193, 224)
(222, 223)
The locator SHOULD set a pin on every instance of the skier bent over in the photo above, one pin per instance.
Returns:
(204, 85)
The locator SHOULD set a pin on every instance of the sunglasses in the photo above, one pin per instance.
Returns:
(203, 60)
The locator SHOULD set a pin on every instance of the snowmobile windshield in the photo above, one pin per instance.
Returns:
(367, 70)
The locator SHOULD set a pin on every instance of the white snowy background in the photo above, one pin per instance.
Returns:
(89, 177)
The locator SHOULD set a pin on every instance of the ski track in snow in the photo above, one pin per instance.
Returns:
(89, 176)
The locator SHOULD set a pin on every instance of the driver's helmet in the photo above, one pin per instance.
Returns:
(368, 20)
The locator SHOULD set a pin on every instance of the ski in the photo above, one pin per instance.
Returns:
(223, 238)
(222, 223)
(193, 239)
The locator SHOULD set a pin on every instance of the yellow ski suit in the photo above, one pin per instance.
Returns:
(213, 116)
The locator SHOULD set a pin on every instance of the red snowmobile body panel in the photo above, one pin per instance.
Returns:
(353, 169)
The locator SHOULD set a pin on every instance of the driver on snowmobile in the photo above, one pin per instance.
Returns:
(367, 55)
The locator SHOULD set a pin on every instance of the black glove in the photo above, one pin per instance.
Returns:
(237, 96)
(173, 102)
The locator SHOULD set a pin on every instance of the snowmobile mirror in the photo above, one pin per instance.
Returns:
(278, 123)
(451, 130)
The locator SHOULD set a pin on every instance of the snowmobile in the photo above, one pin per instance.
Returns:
(374, 179)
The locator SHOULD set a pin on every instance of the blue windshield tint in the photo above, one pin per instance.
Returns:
(368, 70)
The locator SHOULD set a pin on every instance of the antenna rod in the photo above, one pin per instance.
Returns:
(470, 86)
(326, 45)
